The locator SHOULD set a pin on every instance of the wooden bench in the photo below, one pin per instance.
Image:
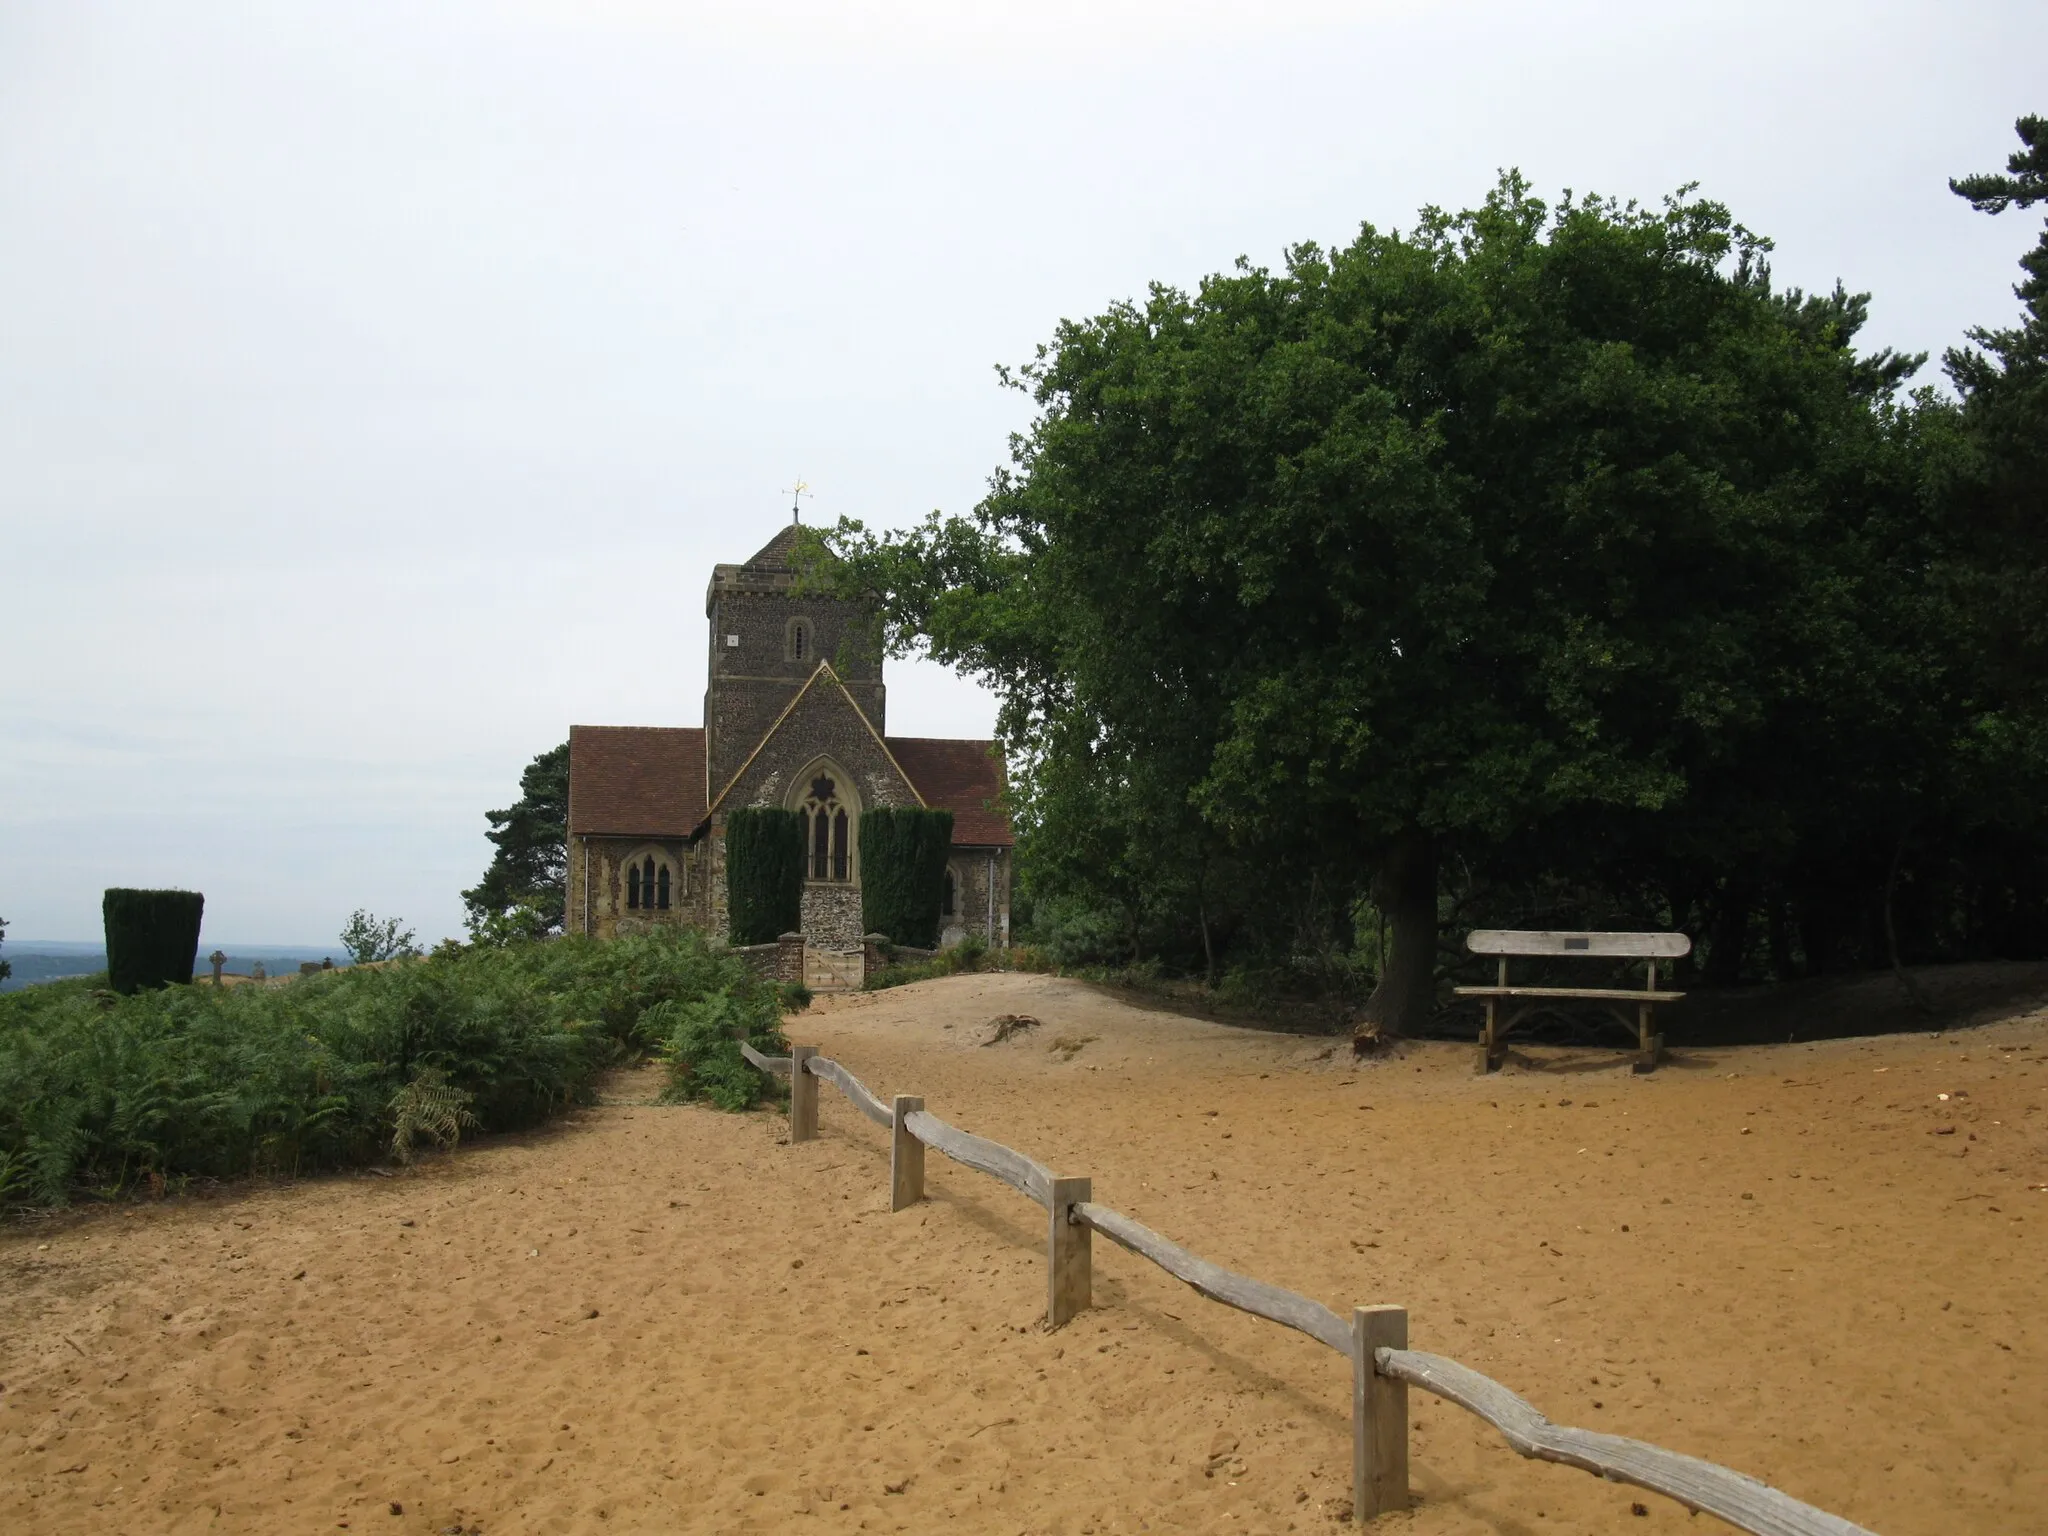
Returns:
(1500, 1018)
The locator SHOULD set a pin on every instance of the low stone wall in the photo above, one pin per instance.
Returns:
(781, 961)
(877, 951)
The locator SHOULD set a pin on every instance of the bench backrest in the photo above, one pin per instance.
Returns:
(1503, 941)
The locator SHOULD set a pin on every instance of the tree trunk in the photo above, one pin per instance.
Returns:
(1912, 988)
(1779, 928)
(1731, 932)
(1405, 891)
(1816, 936)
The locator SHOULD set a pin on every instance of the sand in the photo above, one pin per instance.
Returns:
(667, 1319)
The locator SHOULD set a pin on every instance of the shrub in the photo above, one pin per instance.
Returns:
(103, 1092)
(369, 938)
(796, 997)
(969, 955)
(1077, 934)
(152, 937)
(903, 873)
(702, 1047)
(521, 920)
(764, 874)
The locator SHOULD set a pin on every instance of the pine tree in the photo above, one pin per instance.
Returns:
(531, 865)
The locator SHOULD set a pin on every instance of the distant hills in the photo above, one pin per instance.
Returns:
(36, 960)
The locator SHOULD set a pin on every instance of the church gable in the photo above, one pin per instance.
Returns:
(822, 725)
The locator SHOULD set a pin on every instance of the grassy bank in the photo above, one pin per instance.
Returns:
(106, 1095)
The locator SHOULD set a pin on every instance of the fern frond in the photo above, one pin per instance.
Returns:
(429, 1106)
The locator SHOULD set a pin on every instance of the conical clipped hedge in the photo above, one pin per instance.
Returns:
(764, 874)
(152, 937)
(903, 873)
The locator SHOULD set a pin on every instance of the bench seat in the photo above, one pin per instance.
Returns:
(1557, 944)
(1620, 994)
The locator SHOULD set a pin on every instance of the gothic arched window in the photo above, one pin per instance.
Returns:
(799, 639)
(648, 885)
(828, 830)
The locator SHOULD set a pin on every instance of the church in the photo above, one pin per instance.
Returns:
(795, 715)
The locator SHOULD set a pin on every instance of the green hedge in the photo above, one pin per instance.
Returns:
(764, 874)
(903, 873)
(152, 937)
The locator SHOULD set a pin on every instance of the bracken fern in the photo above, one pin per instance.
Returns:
(430, 1106)
(106, 1093)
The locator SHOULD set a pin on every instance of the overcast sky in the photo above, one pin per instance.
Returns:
(379, 383)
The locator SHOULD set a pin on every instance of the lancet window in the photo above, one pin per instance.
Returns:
(827, 831)
(647, 886)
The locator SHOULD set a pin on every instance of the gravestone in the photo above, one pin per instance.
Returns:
(257, 973)
(216, 960)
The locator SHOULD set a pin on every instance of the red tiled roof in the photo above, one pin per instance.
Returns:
(964, 777)
(636, 780)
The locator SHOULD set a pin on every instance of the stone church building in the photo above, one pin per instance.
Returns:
(795, 715)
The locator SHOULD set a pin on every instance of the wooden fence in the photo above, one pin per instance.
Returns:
(1374, 1339)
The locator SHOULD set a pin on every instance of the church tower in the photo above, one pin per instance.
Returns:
(766, 641)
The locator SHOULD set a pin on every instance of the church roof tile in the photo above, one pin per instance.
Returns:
(636, 780)
(964, 777)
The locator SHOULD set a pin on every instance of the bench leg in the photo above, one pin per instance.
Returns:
(1649, 1047)
(1489, 1040)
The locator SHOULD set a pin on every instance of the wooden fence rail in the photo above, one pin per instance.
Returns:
(854, 1089)
(1286, 1308)
(1374, 1339)
(1740, 1500)
(779, 1065)
(991, 1157)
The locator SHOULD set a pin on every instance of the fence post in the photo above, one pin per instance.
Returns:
(1379, 1414)
(906, 1155)
(1069, 1253)
(803, 1094)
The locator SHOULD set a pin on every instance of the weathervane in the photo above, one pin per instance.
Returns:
(797, 493)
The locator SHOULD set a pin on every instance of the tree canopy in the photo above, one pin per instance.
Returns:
(1554, 545)
(2000, 488)
(525, 885)
(368, 938)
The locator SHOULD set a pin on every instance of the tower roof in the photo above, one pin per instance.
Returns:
(774, 555)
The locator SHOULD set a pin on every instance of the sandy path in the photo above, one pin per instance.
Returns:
(663, 1319)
